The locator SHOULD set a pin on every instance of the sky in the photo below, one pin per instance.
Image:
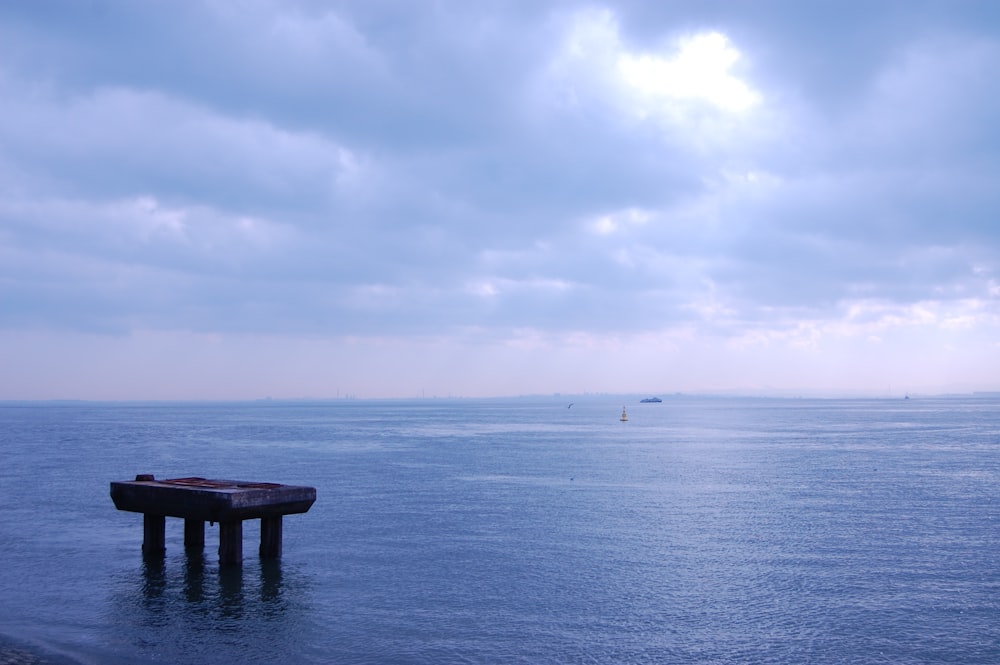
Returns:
(305, 199)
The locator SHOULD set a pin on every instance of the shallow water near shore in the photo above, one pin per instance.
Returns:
(484, 531)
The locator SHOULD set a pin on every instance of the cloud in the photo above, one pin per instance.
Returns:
(705, 179)
(700, 71)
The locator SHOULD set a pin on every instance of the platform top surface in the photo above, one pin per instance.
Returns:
(204, 484)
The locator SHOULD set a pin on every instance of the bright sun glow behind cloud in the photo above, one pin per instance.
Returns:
(699, 71)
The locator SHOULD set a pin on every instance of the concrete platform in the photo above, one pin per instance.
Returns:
(199, 500)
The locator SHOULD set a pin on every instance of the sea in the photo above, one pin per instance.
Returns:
(522, 530)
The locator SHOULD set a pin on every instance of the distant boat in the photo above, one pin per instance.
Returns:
(624, 417)
(650, 400)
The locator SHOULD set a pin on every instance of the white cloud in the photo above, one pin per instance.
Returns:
(142, 229)
(484, 289)
(698, 71)
(677, 84)
(612, 222)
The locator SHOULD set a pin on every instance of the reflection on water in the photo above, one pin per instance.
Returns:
(210, 586)
(270, 583)
(231, 592)
(207, 612)
(153, 578)
(194, 577)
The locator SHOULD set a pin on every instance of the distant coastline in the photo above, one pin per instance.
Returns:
(559, 397)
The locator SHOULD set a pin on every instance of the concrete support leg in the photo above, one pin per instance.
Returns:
(230, 543)
(270, 537)
(153, 541)
(194, 535)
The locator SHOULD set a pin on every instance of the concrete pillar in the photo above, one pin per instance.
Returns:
(270, 537)
(231, 543)
(153, 540)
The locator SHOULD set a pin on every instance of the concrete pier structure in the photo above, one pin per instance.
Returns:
(198, 500)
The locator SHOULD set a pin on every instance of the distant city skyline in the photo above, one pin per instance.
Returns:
(308, 199)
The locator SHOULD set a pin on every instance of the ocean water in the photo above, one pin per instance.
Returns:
(516, 531)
